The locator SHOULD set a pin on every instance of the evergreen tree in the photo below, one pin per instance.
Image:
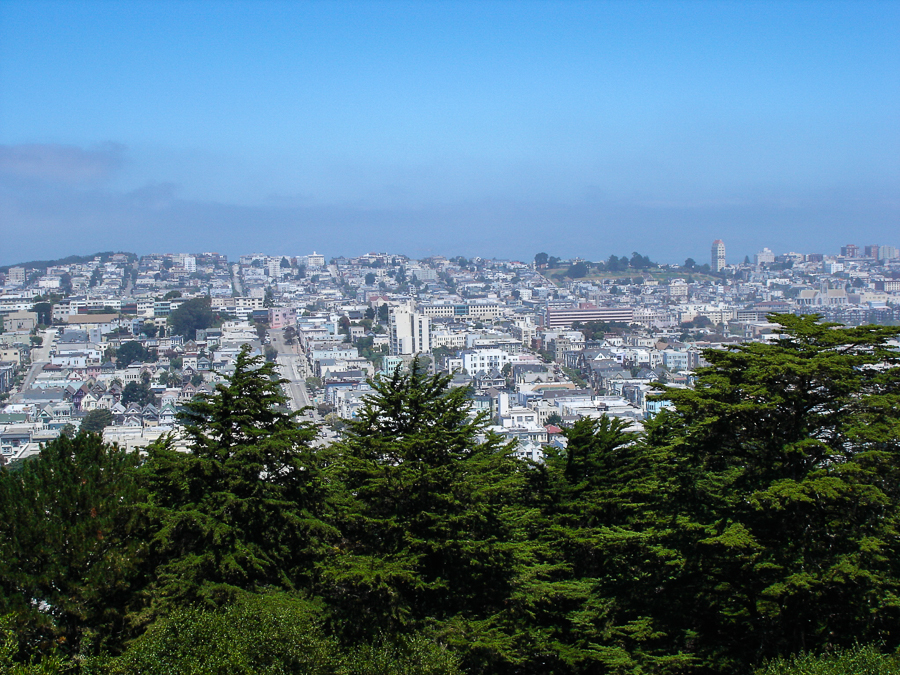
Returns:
(431, 527)
(133, 352)
(241, 510)
(191, 315)
(778, 494)
(96, 420)
(594, 611)
(67, 554)
(138, 392)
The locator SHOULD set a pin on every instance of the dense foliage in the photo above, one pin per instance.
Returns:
(242, 510)
(190, 316)
(854, 661)
(68, 557)
(133, 352)
(138, 392)
(752, 525)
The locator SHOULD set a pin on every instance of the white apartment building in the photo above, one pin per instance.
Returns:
(315, 260)
(678, 289)
(764, 257)
(524, 331)
(448, 340)
(410, 331)
(476, 360)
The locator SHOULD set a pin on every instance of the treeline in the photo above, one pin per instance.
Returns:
(581, 268)
(755, 518)
(68, 260)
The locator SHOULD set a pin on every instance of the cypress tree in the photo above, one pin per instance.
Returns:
(778, 494)
(242, 509)
(431, 519)
(68, 561)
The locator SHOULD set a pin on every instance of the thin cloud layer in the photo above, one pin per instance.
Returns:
(53, 220)
(56, 163)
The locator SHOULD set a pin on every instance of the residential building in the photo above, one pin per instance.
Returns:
(764, 257)
(410, 331)
(559, 318)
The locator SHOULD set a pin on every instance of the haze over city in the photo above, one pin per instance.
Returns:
(470, 128)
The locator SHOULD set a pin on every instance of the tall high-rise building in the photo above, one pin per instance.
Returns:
(717, 260)
(410, 331)
(850, 251)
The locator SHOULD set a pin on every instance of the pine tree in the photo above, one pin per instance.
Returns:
(431, 523)
(68, 557)
(242, 510)
(778, 494)
(592, 611)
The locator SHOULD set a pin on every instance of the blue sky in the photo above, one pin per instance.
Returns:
(491, 128)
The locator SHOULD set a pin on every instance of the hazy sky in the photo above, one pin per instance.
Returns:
(491, 128)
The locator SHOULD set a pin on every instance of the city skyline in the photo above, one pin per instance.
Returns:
(580, 129)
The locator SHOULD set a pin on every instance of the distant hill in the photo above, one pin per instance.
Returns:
(69, 260)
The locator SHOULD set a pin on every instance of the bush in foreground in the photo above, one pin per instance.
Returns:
(857, 661)
(273, 634)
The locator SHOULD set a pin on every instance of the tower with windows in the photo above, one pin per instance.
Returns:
(717, 261)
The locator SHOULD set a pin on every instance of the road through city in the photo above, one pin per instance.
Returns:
(292, 363)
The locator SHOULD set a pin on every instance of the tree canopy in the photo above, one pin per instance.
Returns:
(753, 519)
(428, 515)
(96, 420)
(67, 544)
(138, 392)
(577, 270)
(190, 316)
(134, 352)
(240, 511)
(780, 467)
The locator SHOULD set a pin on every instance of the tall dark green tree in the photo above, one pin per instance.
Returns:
(431, 527)
(44, 310)
(138, 392)
(68, 557)
(594, 610)
(778, 489)
(242, 509)
(96, 420)
(577, 270)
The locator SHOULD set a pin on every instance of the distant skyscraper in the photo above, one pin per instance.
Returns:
(717, 263)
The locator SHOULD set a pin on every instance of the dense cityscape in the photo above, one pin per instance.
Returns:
(117, 342)
(470, 337)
